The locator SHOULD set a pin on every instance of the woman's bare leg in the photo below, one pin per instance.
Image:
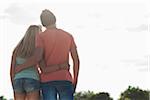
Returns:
(33, 95)
(19, 96)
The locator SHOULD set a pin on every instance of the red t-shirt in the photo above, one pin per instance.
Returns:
(56, 44)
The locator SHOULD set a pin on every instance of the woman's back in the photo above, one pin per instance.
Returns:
(26, 73)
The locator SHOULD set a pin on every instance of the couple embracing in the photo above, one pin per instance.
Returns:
(40, 63)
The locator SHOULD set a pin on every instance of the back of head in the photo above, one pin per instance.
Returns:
(47, 18)
(26, 46)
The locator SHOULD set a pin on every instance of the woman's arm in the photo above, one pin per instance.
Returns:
(12, 67)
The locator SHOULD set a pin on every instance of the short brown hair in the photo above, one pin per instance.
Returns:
(47, 18)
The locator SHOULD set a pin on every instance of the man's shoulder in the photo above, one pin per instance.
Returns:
(46, 33)
(42, 34)
(65, 32)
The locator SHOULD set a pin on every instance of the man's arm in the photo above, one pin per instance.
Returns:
(76, 64)
(31, 61)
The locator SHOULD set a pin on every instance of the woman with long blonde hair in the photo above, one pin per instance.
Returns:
(26, 83)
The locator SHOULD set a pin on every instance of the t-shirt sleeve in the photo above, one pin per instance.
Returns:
(38, 41)
(73, 44)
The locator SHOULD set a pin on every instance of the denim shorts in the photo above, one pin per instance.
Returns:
(53, 90)
(26, 85)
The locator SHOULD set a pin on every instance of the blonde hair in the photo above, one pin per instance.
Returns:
(47, 18)
(26, 46)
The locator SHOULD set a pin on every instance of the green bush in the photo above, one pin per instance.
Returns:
(133, 93)
(2, 98)
(92, 96)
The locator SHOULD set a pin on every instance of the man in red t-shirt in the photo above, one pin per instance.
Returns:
(54, 45)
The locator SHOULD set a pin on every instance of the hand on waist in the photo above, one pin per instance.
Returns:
(54, 68)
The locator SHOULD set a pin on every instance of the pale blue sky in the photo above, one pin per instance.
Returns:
(112, 38)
